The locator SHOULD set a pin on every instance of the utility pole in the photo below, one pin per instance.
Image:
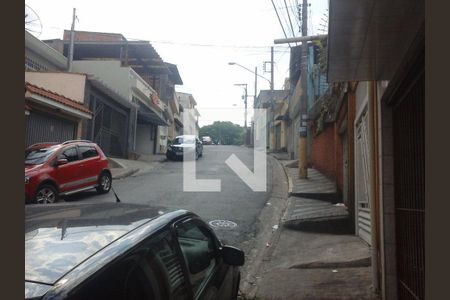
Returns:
(272, 129)
(72, 37)
(302, 164)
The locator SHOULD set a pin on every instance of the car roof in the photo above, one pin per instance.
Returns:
(60, 237)
(61, 145)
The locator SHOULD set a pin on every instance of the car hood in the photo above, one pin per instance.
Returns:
(59, 237)
(183, 146)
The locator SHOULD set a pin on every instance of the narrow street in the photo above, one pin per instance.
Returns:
(164, 187)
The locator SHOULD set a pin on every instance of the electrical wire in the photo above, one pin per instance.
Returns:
(279, 20)
(289, 16)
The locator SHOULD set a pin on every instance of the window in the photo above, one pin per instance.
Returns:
(199, 251)
(163, 258)
(70, 154)
(88, 151)
(128, 279)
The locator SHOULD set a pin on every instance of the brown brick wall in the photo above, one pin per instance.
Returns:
(323, 152)
(94, 36)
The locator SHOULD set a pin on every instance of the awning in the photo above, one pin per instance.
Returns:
(53, 100)
(148, 116)
(102, 86)
(368, 39)
(178, 122)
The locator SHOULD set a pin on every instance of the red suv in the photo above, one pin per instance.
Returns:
(53, 170)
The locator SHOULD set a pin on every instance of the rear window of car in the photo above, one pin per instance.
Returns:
(183, 140)
(88, 151)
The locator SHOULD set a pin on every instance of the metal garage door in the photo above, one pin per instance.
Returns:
(41, 127)
(363, 225)
(409, 178)
(110, 129)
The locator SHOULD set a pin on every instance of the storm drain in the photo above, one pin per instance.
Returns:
(222, 224)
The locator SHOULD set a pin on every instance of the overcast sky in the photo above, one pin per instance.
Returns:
(199, 36)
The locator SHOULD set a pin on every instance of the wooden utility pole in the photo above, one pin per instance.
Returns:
(272, 95)
(72, 37)
(302, 141)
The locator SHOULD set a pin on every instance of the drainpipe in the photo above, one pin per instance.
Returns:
(373, 184)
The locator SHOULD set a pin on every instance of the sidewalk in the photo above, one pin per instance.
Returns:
(121, 168)
(312, 254)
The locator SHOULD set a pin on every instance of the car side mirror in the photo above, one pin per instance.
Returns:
(61, 161)
(233, 256)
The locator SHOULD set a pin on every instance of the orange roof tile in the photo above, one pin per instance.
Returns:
(55, 97)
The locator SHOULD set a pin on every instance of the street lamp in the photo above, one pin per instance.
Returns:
(256, 82)
(256, 77)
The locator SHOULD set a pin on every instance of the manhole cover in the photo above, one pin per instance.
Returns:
(222, 224)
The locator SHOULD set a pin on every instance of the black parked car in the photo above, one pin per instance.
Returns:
(125, 251)
(182, 144)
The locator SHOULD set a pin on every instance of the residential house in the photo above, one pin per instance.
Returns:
(189, 114)
(51, 117)
(172, 111)
(53, 112)
(276, 106)
(41, 57)
(112, 115)
(150, 82)
(382, 61)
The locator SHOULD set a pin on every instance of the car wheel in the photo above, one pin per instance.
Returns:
(46, 193)
(104, 183)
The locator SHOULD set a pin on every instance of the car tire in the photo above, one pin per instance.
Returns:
(236, 288)
(104, 183)
(45, 194)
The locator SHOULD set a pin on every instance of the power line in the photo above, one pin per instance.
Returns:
(279, 20)
(289, 16)
(252, 48)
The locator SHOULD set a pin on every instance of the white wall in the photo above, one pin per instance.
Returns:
(66, 84)
(143, 143)
(108, 71)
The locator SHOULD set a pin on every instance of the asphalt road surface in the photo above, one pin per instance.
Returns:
(164, 187)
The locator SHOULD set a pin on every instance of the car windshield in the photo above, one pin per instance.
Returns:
(38, 156)
(183, 140)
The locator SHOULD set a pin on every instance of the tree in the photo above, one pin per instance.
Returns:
(225, 133)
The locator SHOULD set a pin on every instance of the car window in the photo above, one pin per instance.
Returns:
(164, 259)
(70, 154)
(199, 251)
(112, 283)
(88, 151)
(38, 156)
(183, 140)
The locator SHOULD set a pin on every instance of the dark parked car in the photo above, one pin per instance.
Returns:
(125, 251)
(182, 144)
(58, 169)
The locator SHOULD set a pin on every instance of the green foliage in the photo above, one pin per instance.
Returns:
(323, 55)
(226, 133)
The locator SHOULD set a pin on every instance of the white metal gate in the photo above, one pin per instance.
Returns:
(362, 172)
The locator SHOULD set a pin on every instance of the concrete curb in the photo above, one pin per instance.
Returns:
(125, 174)
(267, 236)
(115, 162)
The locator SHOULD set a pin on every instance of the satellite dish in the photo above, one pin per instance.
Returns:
(33, 23)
